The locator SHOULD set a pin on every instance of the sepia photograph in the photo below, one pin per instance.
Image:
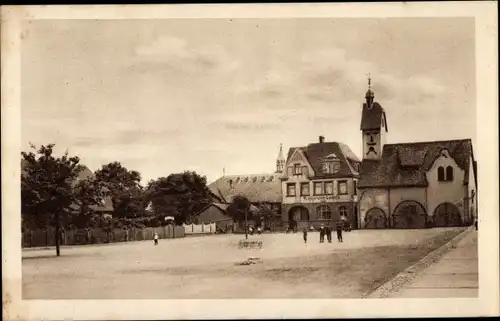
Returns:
(237, 156)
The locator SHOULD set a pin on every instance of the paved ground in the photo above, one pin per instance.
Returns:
(455, 275)
(207, 267)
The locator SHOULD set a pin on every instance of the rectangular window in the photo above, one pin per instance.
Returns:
(318, 188)
(355, 187)
(336, 167)
(342, 187)
(297, 169)
(329, 188)
(304, 189)
(290, 190)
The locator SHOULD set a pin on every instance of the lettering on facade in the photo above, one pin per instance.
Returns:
(321, 198)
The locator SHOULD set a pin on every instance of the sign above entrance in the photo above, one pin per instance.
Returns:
(321, 198)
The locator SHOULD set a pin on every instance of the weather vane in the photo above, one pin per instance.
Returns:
(369, 81)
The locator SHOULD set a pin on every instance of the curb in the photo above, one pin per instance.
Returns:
(396, 283)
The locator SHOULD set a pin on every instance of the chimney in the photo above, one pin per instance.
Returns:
(321, 139)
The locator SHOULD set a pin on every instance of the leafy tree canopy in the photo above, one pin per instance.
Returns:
(238, 207)
(124, 187)
(179, 195)
(47, 187)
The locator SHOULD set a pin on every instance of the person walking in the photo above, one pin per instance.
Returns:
(156, 238)
(339, 232)
(305, 234)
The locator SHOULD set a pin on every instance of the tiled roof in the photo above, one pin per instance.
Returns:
(223, 207)
(316, 153)
(371, 118)
(406, 164)
(259, 188)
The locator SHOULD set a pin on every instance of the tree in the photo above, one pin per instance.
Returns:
(179, 195)
(88, 194)
(47, 187)
(238, 207)
(124, 187)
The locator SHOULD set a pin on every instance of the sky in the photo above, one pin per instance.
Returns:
(164, 96)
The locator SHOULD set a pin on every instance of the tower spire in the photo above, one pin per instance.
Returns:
(280, 161)
(369, 94)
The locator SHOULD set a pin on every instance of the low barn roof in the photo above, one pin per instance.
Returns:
(258, 188)
(406, 164)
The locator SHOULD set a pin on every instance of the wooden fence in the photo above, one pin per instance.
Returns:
(190, 229)
(41, 238)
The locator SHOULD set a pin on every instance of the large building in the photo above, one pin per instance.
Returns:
(319, 184)
(413, 185)
(260, 189)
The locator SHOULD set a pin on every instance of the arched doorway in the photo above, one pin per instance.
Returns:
(409, 214)
(298, 213)
(375, 218)
(447, 214)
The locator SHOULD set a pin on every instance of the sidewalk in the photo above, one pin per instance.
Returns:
(455, 275)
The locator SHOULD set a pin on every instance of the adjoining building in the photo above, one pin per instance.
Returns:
(217, 213)
(262, 190)
(319, 184)
(413, 185)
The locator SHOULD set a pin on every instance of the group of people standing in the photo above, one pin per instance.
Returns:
(326, 231)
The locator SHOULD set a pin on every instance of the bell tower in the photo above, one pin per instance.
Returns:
(373, 126)
(280, 161)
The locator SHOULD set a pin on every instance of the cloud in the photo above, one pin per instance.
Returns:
(332, 77)
(176, 54)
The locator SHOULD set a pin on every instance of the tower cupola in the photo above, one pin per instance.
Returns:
(370, 95)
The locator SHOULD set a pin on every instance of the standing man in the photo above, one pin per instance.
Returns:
(339, 231)
(305, 234)
(321, 234)
(328, 232)
(156, 238)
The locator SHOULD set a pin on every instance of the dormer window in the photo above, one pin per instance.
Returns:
(331, 164)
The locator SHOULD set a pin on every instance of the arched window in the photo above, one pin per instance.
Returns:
(323, 212)
(343, 212)
(441, 173)
(449, 173)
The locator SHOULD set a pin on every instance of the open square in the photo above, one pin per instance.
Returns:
(212, 267)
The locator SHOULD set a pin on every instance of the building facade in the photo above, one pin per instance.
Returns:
(413, 185)
(319, 185)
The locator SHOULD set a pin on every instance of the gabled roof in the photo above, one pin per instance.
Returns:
(406, 164)
(371, 118)
(258, 188)
(223, 208)
(317, 152)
